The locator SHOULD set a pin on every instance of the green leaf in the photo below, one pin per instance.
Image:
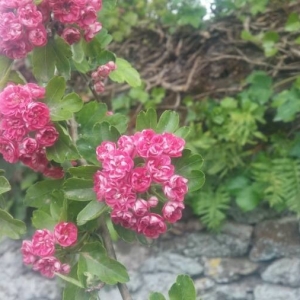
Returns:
(92, 211)
(79, 189)
(125, 234)
(63, 54)
(77, 52)
(43, 61)
(74, 281)
(63, 149)
(182, 132)
(10, 227)
(4, 185)
(61, 109)
(125, 73)
(105, 56)
(40, 193)
(236, 184)
(93, 260)
(293, 22)
(146, 120)
(248, 198)
(195, 179)
(157, 296)
(5, 65)
(41, 220)
(168, 122)
(188, 162)
(183, 289)
(85, 172)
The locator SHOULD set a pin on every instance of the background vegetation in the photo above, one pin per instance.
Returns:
(233, 77)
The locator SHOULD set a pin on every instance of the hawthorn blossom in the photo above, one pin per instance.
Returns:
(65, 234)
(43, 243)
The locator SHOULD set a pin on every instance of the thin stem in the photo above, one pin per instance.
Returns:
(111, 252)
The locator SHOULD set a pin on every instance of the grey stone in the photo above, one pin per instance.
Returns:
(172, 263)
(276, 238)
(16, 279)
(203, 284)
(224, 270)
(234, 240)
(159, 282)
(284, 271)
(275, 292)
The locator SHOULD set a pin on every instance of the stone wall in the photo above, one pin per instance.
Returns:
(242, 262)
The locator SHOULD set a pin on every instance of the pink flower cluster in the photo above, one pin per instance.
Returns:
(132, 170)
(26, 129)
(75, 17)
(101, 74)
(21, 28)
(40, 251)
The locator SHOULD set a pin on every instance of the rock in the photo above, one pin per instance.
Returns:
(276, 238)
(242, 290)
(275, 292)
(284, 271)
(234, 240)
(172, 263)
(254, 216)
(158, 282)
(18, 281)
(203, 284)
(224, 270)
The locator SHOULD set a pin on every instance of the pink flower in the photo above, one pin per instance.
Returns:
(65, 269)
(13, 99)
(65, 234)
(38, 36)
(91, 31)
(151, 225)
(10, 27)
(124, 218)
(28, 146)
(47, 136)
(140, 179)
(102, 71)
(14, 128)
(100, 184)
(28, 256)
(65, 11)
(104, 149)
(173, 145)
(126, 143)
(97, 4)
(99, 87)
(140, 208)
(152, 201)
(71, 35)
(117, 164)
(143, 142)
(16, 50)
(160, 168)
(29, 16)
(172, 211)
(88, 16)
(36, 161)
(36, 115)
(47, 266)
(43, 243)
(37, 92)
(176, 188)
(111, 65)
(9, 150)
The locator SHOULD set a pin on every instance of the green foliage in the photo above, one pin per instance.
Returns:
(182, 289)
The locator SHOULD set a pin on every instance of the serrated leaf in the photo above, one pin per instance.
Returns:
(183, 289)
(43, 62)
(188, 162)
(168, 122)
(40, 193)
(61, 108)
(125, 73)
(195, 179)
(156, 296)
(93, 260)
(92, 211)
(85, 172)
(63, 149)
(10, 227)
(41, 220)
(146, 120)
(182, 132)
(4, 185)
(79, 189)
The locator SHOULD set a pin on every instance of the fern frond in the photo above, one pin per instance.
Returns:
(211, 206)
